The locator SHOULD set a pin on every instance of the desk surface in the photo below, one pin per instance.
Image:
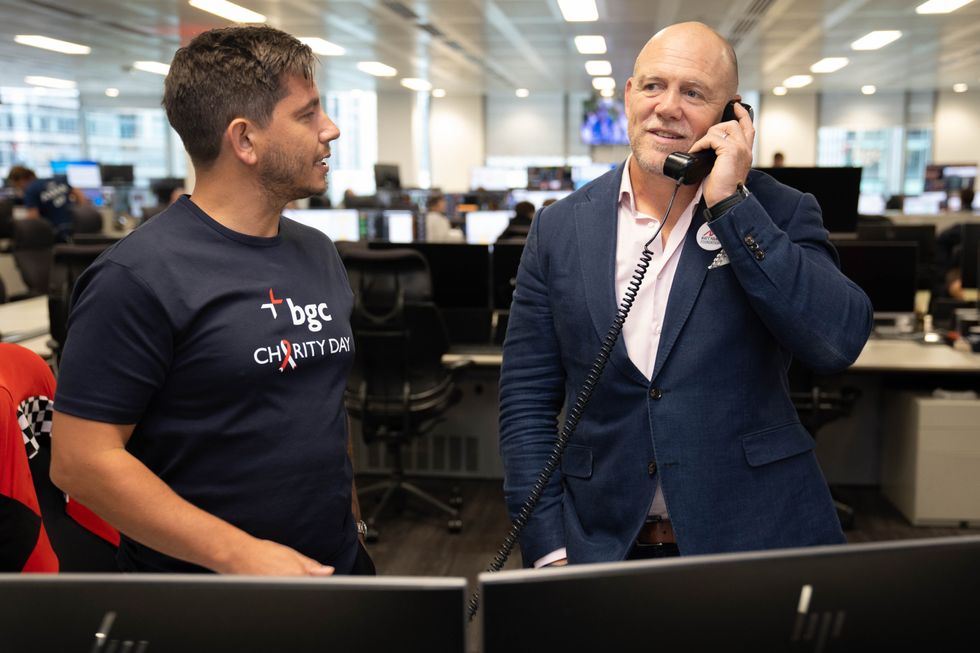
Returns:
(24, 319)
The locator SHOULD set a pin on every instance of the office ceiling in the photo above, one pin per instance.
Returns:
(494, 46)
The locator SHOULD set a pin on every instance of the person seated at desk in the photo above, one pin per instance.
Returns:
(520, 224)
(437, 226)
(47, 198)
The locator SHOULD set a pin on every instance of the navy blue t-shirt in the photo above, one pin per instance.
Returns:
(230, 353)
(51, 198)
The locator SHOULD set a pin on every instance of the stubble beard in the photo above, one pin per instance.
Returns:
(280, 177)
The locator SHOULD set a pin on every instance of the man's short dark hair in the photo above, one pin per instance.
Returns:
(229, 73)
(524, 210)
(20, 173)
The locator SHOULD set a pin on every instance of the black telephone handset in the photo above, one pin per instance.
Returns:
(693, 168)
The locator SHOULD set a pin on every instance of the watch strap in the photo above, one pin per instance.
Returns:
(714, 212)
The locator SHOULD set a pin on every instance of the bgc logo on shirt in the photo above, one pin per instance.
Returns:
(284, 354)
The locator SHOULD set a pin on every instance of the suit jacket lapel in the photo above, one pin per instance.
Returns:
(688, 279)
(596, 226)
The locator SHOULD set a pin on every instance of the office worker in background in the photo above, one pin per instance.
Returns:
(778, 160)
(437, 226)
(200, 399)
(47, 198)
(691, 443)
(520, 224)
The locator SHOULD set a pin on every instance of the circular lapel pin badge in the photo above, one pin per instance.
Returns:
(707, 238)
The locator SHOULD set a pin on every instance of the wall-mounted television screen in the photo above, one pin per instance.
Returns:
(604, 122)
(550, 178)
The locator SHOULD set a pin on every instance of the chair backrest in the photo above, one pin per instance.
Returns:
(69, 261)
(85, 219)
(6, 219)
(33, 245)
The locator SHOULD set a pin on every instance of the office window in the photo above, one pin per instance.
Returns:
(33, 129)
(137, 136)
(353, 155)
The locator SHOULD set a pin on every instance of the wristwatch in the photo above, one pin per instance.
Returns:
(361, 528)
(713, 212)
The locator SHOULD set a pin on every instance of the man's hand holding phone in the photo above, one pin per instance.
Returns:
(732, 141)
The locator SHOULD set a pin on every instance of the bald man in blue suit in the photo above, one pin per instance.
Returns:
(690, 443)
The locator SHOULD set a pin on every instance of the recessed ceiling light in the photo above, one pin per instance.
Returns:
(598, 67)
(829, 65)
(49, 82)
(797, 81)
(46, 43)
(590, 44)
(599, 83)
(522, 92)
(607, 92)
(376, 68)
(960, 88)
(578, 11)
(416, 84)
(112, 92)
(231, 11)
(438, 92)
(152, 67)
(941, 6)
(876, 39)
(779, 90)
(321, 46)
(869, 89)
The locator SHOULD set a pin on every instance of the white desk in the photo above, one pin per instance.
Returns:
(23, 320)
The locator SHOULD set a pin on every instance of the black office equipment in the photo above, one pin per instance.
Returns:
(32, 246)
(837, 191)
(386, 176)
(886, 271)
(117, 174)
(969, 258)
(908, 595)
(924, 235)
(156, 613)
(398, 388)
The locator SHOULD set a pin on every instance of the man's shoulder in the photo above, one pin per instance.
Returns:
(767, 189)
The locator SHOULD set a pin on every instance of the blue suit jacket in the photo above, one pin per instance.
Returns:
(715, 424)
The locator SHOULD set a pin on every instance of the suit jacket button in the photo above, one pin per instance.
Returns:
(656, 393)
(749, 240)
(652, 468)
(759, 255)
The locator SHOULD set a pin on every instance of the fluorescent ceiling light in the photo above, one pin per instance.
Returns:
(598, 68)
(869, 89)
(829, 65)
(876, 39)
(600, 83)
(578, 11)
(49, 82)
(46, 43)
(960, 88)
(941, 6)
(320, 46)
(797, 81)
(376, 68)
(152, 67)
(112, 92)
(438, 92)
(416, 84)
(607, 92)
(231, 11)
(779, 90)
(590, 44)
(522, 92)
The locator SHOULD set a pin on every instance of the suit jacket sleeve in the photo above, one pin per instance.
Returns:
(782, 258)
(531, 397)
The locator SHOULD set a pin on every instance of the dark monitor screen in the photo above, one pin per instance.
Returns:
(117, 175)
(970, 257)
(886, 271)
(837, 191)
(908, 595)
(924, 235)
(154, 613)
(550, 178)
(386, 175)
(460, 272)
(505, 259)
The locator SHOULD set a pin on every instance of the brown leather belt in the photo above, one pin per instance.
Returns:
(656, 531)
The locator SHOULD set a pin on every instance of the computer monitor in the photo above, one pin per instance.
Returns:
(117, 175)
(549, 178)
(483, 227)
(970, 259)
(460, 272)
(338, 224)
(581, 175)
(924, 235)
(837, 191)
(156, 613)
(386, 176)
(886, 271)
(537, 197)
(950, 177)
(906, 595)
(399, 226)
(84, 175)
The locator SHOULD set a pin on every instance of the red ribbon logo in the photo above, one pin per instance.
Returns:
(287, 352)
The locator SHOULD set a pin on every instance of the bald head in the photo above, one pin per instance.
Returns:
(699, 40)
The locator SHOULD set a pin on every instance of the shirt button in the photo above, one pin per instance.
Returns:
(652, 468)
(759, 255)
(656, 393)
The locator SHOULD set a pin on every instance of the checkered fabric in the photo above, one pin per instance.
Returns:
(34, 416)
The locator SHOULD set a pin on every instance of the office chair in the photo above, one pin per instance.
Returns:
(818, 405)
(398, 387)
(85, 219)
(6, 220)
(32, 248)
(68, 263)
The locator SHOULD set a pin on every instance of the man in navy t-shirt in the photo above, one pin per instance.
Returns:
(200, 399)
(47, 198)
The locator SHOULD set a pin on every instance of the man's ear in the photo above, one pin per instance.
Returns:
(239, 135)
